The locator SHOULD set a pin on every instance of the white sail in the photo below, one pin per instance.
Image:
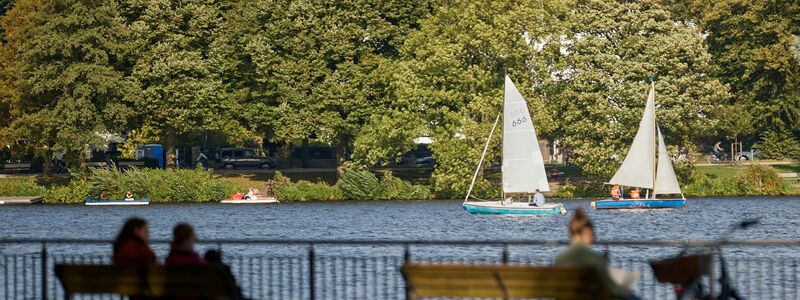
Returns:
(666, 182)
(523, 166)
(638, 168)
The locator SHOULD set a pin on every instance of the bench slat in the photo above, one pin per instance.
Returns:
(147, 280)
(481, 281)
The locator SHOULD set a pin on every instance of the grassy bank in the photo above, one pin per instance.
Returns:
(322, 185)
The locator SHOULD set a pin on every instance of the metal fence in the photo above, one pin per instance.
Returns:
(335, 269)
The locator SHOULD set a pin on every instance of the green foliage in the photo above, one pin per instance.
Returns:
(354, 185)
(385, 138)
(753, 181)
(21, 187)
(361, 185)
(70, 64)
(398, 189)
(598, 82)
(159, 185)
(453, 76)
(754, 44)
(565, 191)
(286, 190)
(778, 145)
(76, 191)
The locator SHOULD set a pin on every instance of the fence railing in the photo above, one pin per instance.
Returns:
(369, 269)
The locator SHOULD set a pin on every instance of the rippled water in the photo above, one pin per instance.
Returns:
(701, 219)
(344, 272)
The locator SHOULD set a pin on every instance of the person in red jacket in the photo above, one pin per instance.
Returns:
(182, 247)
(131, 247)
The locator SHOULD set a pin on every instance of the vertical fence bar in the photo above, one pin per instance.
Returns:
(44, 271)
(311, 271)
(505, 254)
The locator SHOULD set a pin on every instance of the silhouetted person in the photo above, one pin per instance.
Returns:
(181, 250)
(131, 247)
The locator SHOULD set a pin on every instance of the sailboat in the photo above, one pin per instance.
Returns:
(523, 166)
(642, 168)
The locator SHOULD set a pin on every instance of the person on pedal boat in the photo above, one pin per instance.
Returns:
(538, 199)
(251, 195)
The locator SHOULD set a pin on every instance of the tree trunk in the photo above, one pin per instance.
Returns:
(304, 153)
(170, 142)
(46, 162)
(342, 153)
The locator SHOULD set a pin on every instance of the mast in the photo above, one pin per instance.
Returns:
(655, 146)
(480, 162)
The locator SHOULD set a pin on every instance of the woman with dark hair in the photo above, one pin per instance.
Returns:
(131, 247)
(181, 250)
(579, 253)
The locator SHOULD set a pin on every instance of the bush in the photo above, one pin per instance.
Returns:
(195, 185)
(778, 145)
(76, 191)
(397, 189)
(354, 185)
(566, 190)
(286, 190)
(753, 181)
(361, 185)
(21, 187)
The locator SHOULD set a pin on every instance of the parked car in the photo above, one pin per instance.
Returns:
(232, 158)
(424, 161)
(748, 155)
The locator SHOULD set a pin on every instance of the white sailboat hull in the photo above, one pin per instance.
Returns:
(516, 208)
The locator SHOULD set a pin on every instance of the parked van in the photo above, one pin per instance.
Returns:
(234, 158)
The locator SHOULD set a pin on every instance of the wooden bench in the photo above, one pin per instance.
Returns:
(501, 281)
(789, 176)
(17, 167)
(149, 280)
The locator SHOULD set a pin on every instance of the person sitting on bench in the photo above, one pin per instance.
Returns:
(579, 253)
(182, 247)
(131, 247)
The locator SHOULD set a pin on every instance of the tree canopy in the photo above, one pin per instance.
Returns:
(370, 76)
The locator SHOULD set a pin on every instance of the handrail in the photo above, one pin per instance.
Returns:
(664, 243)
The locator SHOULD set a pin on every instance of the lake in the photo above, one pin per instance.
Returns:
(370, 272)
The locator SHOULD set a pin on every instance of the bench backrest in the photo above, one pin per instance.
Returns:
(148, 280)
(501, 281)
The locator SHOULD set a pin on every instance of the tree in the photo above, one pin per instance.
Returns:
(71, 72)
(599, 87)
(181, 89)
(310, 68)
(453, 74)
(755, 44)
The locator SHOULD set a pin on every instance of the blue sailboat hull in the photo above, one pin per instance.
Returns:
(638, 204)
(495, 208)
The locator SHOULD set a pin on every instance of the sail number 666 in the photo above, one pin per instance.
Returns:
(519, 121)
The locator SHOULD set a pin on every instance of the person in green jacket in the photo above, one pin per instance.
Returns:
(579, 253)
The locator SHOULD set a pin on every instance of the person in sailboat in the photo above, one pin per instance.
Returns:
(579, 253)
(615, 192)
(635, 193)
(538, 199)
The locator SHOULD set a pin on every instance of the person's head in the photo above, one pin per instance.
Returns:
(213, 257)
(102, 195)
(182, 236)
(133, 229)
(537, 190)
(580, 228)
(129, 194)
